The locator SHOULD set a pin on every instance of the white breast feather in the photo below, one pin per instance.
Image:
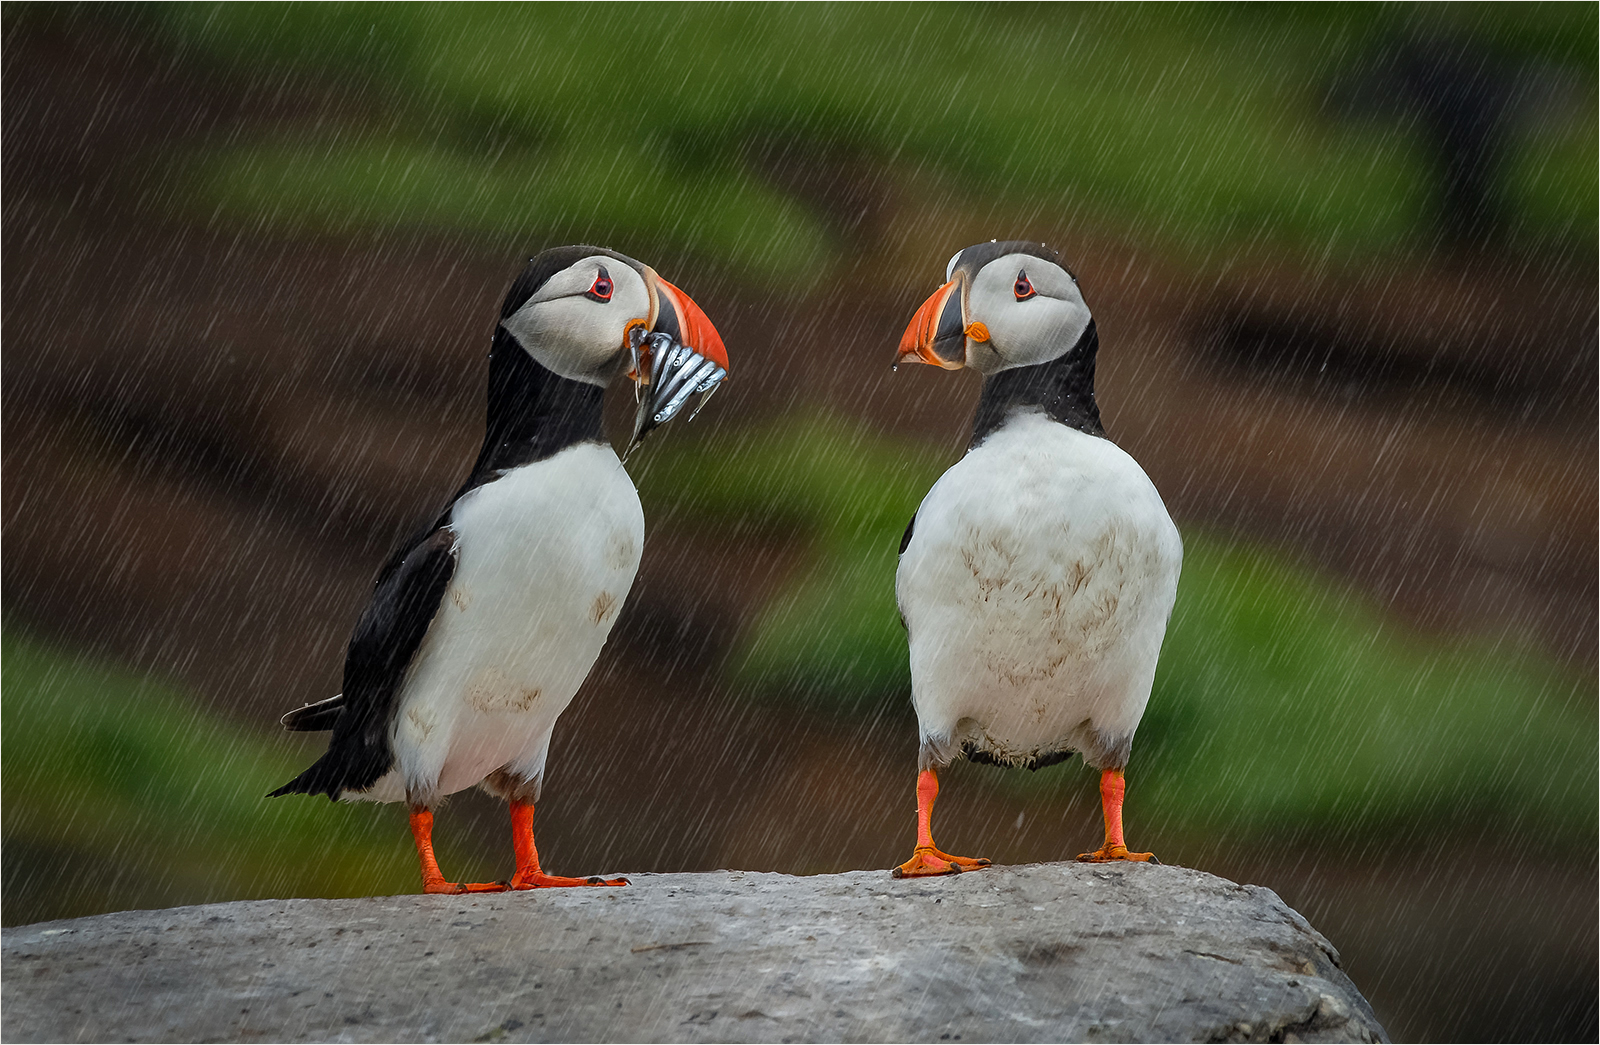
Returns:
(546, 556)
(1036, 590)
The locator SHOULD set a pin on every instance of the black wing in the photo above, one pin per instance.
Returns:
(905, 542)
(391, 628)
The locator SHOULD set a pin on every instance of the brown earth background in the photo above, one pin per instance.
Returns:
(212, 436)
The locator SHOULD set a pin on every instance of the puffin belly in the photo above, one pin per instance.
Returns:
(1036, 590)
(546, 556)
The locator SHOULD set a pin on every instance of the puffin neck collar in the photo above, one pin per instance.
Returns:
(1063, 389)
(533, 412)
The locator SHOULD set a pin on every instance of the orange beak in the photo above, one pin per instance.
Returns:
(678, 315)
(937, 333)
(679, 355)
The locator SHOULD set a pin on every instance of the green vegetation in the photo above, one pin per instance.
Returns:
(1284, 702)
(1285, 707)
(582, 194)
(677, 127)
(120, 792)
(835, 633)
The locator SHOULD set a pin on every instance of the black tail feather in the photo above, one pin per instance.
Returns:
(320, 778)
(347, 765)
(313, 718)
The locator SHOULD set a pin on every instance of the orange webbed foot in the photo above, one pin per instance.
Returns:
(927, 861)
(966, 863)
(1107, 854)
(445, 888)
(539, 880)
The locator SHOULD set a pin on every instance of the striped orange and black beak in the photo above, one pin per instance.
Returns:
(677, 315)
(938, 332)
(679, 354)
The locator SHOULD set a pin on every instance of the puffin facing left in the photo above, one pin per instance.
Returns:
(482, 627)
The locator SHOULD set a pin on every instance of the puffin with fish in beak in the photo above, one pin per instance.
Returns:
(483, 625)
(1037, 576)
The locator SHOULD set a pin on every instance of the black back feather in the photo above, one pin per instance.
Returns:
(386, 637)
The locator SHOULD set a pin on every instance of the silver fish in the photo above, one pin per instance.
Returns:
(676, 373)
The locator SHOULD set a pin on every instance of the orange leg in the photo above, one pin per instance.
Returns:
(432, 878)
(1112, 788)
(927, 859)
(528, 875)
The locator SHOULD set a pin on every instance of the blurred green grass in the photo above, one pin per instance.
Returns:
(606, 195)
(1285, 703)
(122, 792)
(675, 127)
(1286, 708)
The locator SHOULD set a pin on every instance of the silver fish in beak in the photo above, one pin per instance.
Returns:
(679, 356)
(676, 373)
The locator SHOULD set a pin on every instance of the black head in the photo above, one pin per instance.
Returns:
(1004, 305)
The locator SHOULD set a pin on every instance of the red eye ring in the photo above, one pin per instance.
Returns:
(1023, 287)
(601, 288)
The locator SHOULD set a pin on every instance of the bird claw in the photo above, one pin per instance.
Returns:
(540, 880)
(444, 888)
(927, 862)
(966, 863)
(1115, 853)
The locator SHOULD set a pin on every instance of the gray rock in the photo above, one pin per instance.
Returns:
(1045, 952)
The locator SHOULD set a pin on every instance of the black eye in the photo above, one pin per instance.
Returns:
(1024, 289)
(601, 289)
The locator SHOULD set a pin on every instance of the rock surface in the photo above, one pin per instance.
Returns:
(1045, 952)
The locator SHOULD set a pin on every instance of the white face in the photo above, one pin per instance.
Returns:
(1032, 309)
(577, 323)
